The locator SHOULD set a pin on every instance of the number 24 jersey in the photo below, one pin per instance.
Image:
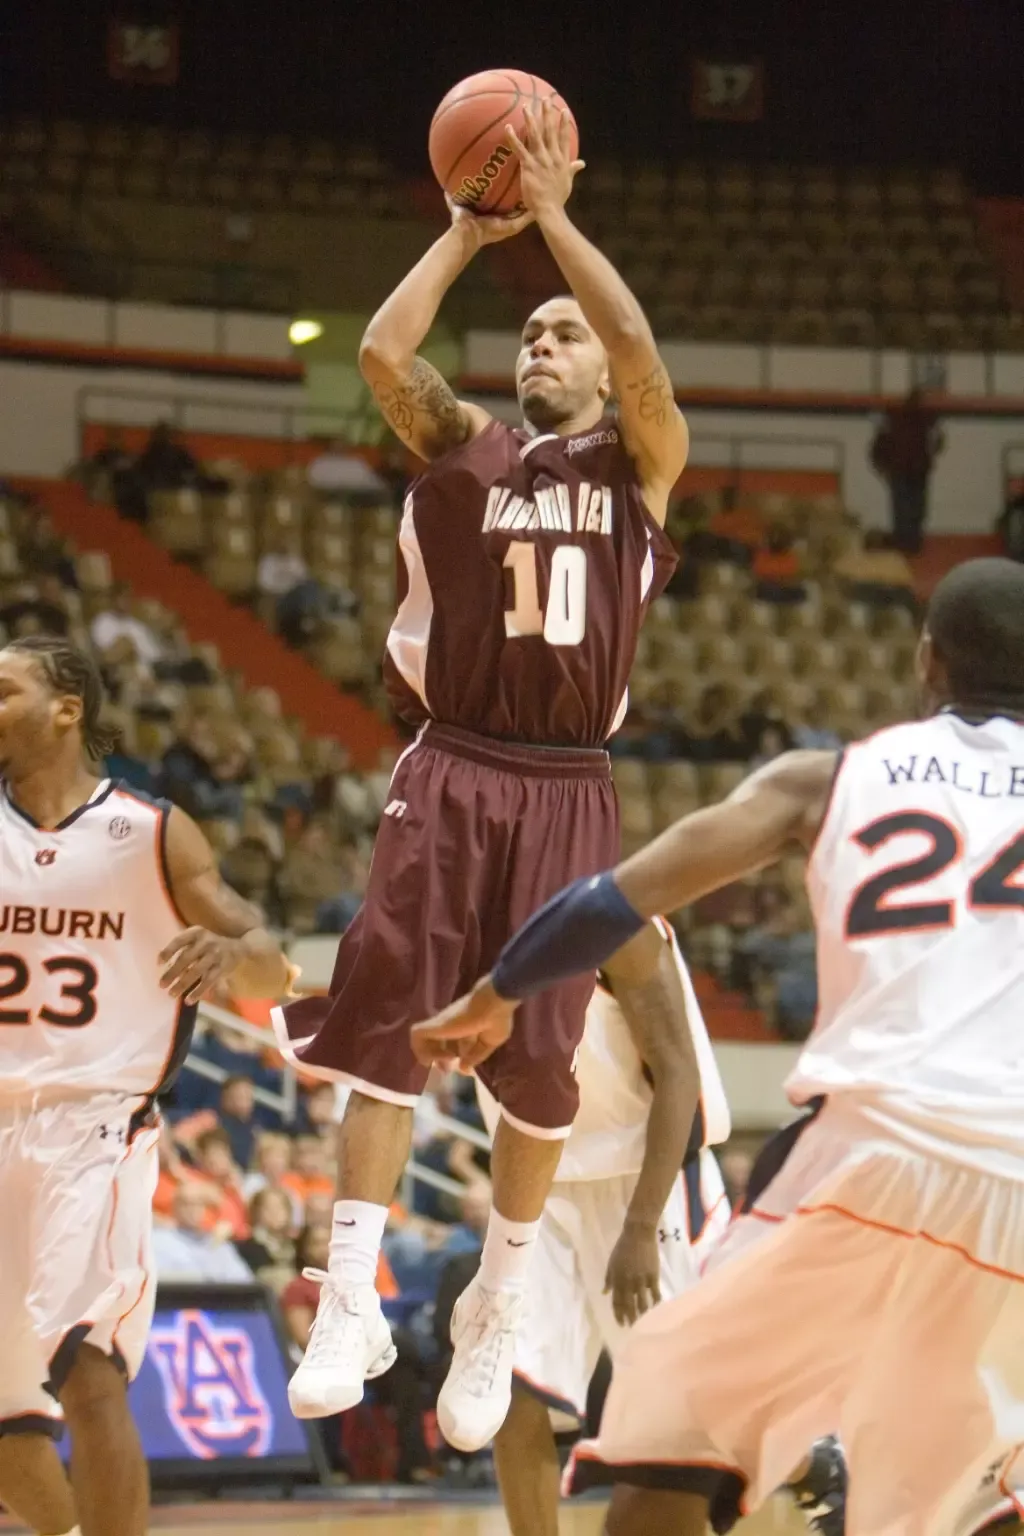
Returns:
(917, 887)
(85, 910)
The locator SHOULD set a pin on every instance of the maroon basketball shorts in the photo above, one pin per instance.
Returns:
(476, 835)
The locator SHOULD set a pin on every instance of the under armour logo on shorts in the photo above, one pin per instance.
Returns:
(396, 808)
(670, 1235)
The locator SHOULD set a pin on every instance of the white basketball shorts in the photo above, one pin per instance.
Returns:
(885, 1303)
(568, 1318)
(76, 1192)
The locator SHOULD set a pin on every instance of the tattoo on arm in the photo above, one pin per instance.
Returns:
(655, 396)
(425, 401)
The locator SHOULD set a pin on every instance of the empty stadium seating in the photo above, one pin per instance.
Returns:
(784, 254)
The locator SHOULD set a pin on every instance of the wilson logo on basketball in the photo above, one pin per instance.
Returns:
(46, 855)
(473, 189)
(211, 1392)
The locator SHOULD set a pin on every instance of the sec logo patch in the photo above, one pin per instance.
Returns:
(120, 828)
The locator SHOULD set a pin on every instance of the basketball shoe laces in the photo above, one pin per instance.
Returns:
(493, 1323)
(339, 1322)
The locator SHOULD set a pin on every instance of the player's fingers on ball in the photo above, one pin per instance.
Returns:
(514, 139)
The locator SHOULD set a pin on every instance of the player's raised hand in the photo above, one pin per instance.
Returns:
(634, 1273)
(486, 228)
(467, 1033)
(196, 960)
(547, 169)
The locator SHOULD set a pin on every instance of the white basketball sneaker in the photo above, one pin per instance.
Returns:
(349, 1343)
(475, 1398)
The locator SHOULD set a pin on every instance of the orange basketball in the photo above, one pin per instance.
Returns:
(469, 149)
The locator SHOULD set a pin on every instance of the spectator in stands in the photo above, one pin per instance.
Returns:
(269, 1250)
(189, 1251)
(1010, 527)
(44, 551)
(121, 637)
(775, 738)
(204, 769)
(783, 948)
(340, 470)
(237, 1118)
(165, 463)
(249, 867)
(713, 733)
(903, 452)
(318, 1111)
(281, 567)
(309, 875)
(173, 1172)
(814, 732)
(335, 914)
(38, 607)
(221, 1172)
(310, 1171)
(776, 567)
(877, 574)
(271, 1160)
(732, 532)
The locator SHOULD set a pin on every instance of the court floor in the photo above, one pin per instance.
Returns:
(383, 1518)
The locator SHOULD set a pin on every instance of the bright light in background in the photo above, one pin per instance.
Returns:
(301, 331)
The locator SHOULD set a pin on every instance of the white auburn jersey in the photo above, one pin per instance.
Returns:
(85, 910)
(917, 888)
(609, 1133)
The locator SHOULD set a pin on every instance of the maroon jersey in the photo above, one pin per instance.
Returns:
(527, 566)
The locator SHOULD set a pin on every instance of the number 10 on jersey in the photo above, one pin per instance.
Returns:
(563, 620)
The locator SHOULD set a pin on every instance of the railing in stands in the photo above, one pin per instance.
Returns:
(285, 1102)
(223, 416)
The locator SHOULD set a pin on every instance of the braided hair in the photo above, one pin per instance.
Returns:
(70, 670)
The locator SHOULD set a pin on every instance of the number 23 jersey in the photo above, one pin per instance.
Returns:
(85, 910)
(526, 565)
(917, 887)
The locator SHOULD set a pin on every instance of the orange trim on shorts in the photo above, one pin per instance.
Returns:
(707, 1218)
(1008, 1492)
(761, 1215)
(582, 1454)
(936, 1242)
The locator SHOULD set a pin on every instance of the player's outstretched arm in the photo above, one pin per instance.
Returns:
(414, 399)
(583, 925)
(644, 979)
(654, 428)
(226, 938)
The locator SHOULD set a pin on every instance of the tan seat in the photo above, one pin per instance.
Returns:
(176, 521)
(94, 572)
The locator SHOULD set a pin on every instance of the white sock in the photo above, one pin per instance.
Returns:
(355, 1241)
(508, 1249)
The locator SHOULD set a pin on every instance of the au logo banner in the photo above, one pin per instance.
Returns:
(211, 1390)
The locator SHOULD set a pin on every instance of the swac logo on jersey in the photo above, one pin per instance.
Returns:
(211, 1393)
(46, 855)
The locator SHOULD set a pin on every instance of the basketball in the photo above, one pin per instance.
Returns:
(469, 149)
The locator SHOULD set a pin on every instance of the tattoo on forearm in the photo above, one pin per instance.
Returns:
(656, 399)
(424, 399)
